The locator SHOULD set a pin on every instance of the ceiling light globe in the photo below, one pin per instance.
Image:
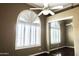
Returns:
(45, 12)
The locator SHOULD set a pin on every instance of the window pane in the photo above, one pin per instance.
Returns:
(55, 33)
(38, 41)
(37, 21)
(55, 36)
(33, 35)
(19, 34)
(52, 36)
(59, 36)
(27, 35)
(55, 25)
(52, 24)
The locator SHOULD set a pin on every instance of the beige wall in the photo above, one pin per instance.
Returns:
(69, 36)
(74, 14)
(8, 18)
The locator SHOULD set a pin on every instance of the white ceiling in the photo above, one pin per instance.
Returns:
(65, 5)
(50, 4)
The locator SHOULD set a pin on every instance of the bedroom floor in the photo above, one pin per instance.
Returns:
(60, 52)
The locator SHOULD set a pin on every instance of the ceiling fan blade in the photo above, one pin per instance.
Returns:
(36, 8)
(40, 13)
(52, 13)
(57, 7)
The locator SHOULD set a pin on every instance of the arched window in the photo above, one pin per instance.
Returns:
(28, 30)
(55, 34)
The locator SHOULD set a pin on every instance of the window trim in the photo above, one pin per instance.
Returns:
(26, 47)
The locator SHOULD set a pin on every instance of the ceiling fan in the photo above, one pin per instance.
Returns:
(47, 9)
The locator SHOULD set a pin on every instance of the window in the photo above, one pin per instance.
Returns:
(28, 30)
(55, 32)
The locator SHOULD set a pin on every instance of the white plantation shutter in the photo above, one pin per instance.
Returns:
(27, 35)
(28, 30)
(55, 33)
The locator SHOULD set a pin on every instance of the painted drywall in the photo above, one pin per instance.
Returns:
(8, 19)
(74, 15)
(69, 36)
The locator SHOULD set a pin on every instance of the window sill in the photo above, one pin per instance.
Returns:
(26, 47)
(54, 43)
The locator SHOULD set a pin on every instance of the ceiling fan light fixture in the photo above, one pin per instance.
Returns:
(45, 12)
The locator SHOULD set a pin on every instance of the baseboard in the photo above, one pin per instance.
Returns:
(69, 46)
(39, 53)
(51, 50)
(56, 48)
(61, 47)
(47, 52)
